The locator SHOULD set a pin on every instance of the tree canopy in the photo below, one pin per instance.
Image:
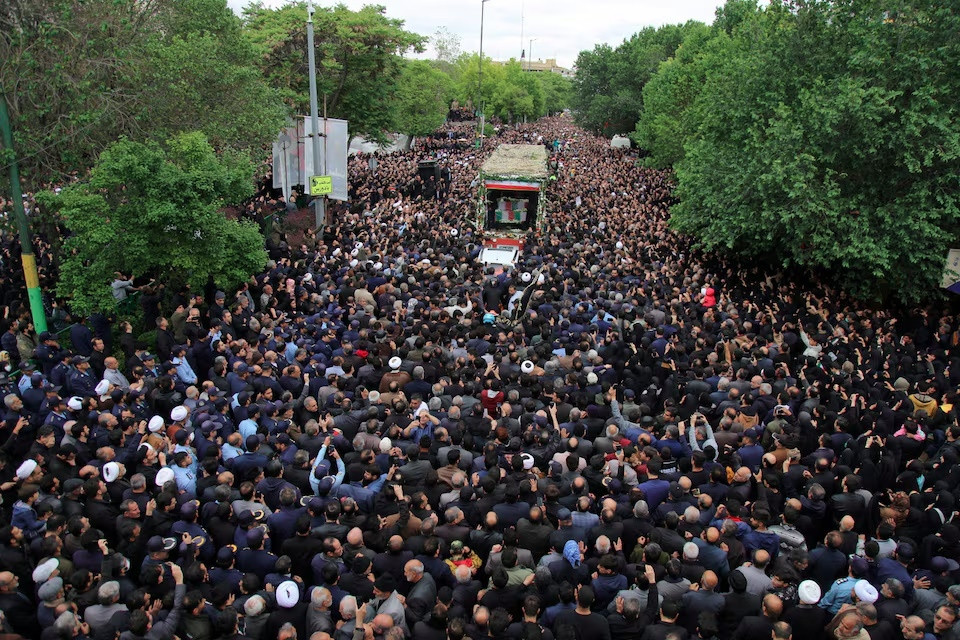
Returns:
(77, 75)
(509, 92)
(607, 97)
(152, 209)
(827, 136)
(423, 98)
(815, 134)
(358, 55)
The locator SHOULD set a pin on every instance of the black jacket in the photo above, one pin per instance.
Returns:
(754, 628)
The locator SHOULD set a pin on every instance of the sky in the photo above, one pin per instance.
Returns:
(561, 28)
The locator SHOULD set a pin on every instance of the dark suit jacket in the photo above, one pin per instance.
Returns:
(660, 630)
(754, 628)
(450, 532)
(19, 612)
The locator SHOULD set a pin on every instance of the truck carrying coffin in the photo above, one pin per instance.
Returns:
(511, 197)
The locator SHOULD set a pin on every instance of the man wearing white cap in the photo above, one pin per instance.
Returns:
(155, 425)
(164, 476)
(842, 625)
(863, 591)
(289, 609)
(807, 619)
(156, 433)
(46, 570)
(394, 375)
(111, 471)
(179, 413)
(29, 472)
(103, 389)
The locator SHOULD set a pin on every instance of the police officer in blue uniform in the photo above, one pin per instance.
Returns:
(82, 381)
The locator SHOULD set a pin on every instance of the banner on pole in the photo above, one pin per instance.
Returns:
(333, 145)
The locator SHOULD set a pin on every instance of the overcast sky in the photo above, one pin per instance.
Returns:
(562, 28)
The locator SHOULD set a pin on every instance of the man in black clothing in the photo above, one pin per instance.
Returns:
(760, 627)
(892, 606)
(13, 555)
(301, 548)
(501, 595)
(358, 580)
(586, 624)
(806, 619)
(877, 629)
(289, 609)
(165, 339)
(16, 606)
(669, 612)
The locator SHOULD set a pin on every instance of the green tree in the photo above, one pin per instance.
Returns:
(828, 137)
(423, 98)
(358, 59)
(608, 87)
(517, 94)
(151, 209)
(556, 92)
(734, 13)
(467, 79)
(592, 88)
(203, 77)
(667, 122)
(77, 75)
(509, 92)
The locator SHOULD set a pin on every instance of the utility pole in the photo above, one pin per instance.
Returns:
(26, 242)
(319, 202)
(480, 77)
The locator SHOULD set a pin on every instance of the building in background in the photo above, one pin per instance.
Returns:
(543, 66)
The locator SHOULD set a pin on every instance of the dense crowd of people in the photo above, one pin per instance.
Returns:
(380, 438)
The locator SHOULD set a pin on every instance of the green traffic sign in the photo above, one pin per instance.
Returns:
(321, 185)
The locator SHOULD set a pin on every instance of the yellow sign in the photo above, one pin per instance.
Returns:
(321, 185)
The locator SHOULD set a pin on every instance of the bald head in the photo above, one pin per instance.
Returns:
(709, 580)
(355, 537)
(382, 622)
(413, 571)
(761, 558)
(847, 523)
(772, 606)
(481, 616)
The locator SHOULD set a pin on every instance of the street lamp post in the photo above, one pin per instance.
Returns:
(319, 201)
(530, 59)
(480, 76)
